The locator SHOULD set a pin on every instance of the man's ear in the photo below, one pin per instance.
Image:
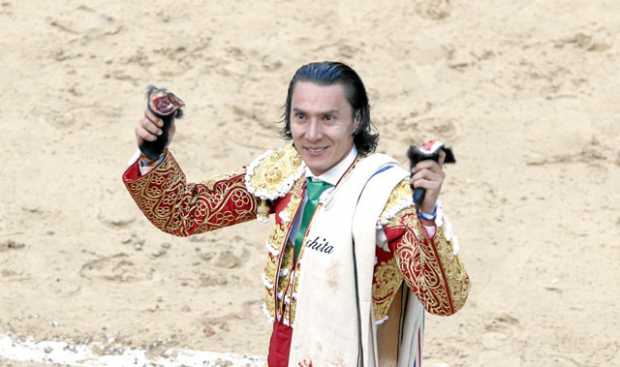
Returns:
(357, 122)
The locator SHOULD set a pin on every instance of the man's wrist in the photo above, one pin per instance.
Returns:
(147, 160)
(146, 164)
(428, 216)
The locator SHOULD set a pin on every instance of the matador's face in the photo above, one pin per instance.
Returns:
(322, 124)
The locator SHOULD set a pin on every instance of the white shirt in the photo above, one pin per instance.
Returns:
(334, 174)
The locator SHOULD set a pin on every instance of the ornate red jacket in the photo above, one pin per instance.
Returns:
(427, 265)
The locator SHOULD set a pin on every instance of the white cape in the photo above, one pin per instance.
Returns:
(330, 324)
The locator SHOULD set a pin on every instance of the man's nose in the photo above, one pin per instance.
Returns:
(314, 132)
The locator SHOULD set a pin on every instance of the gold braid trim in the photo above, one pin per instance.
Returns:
(454, 271)
(277, 248)
(430, 268)
(273, 248)
(179, 208)
(386, 283)
(387, 276)
(271, 273)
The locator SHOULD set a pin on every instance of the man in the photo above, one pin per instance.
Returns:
(352, 263)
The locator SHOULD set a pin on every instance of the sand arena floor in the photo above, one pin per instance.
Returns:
(526, 92)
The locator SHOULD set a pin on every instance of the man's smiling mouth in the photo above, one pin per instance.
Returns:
(315, 150)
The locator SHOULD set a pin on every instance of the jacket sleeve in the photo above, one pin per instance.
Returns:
(180, 208)
(428, 264)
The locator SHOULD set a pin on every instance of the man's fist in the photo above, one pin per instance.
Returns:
(150, 127)
(429, 175)
(154, 131)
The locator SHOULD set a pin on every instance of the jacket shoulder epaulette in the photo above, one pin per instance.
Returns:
(272, 174)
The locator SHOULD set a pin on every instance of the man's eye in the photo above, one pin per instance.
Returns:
(300, 115)
(328, 117)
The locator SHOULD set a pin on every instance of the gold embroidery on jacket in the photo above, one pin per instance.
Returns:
(430, 269)
(400, 198)
(280, 253)
(273, 174)
(456, 277)
(179, 208)
(386, 283)
(387, 277)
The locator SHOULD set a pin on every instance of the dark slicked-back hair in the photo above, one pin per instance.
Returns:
(328, 73)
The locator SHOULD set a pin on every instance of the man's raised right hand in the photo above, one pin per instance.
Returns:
(150, 127)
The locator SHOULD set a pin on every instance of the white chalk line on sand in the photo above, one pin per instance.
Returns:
(80, 355)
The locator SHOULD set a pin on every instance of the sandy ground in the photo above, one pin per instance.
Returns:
(525, 91)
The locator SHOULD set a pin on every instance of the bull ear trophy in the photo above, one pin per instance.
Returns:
(167, 106)
(427, 151)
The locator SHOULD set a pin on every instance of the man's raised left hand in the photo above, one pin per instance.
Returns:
(429, 175)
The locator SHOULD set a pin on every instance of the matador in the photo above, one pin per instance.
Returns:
(352, 263)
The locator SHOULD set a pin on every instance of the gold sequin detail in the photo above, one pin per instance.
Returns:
(272, 176)
(400, 198)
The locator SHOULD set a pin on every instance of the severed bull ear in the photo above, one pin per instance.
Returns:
(163, 103)
(429, 150)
